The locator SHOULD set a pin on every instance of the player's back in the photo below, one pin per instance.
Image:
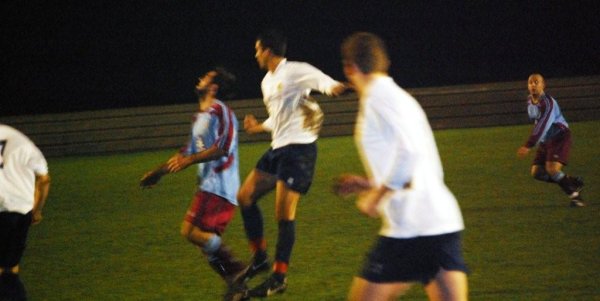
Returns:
(20, 159)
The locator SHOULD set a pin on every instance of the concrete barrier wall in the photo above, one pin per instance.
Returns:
(164, 127)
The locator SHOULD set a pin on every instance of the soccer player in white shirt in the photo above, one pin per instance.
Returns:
(24, 186)
(419, 240)
(213, 147)
(288, 166)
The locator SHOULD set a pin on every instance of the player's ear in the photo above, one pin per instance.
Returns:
(350, 68)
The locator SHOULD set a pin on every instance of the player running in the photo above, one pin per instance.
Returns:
(552, 135)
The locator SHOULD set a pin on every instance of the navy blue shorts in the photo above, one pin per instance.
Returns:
(294, 164)
(13, 236)
(416, 259)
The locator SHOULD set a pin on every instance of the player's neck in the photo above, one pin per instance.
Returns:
(535, 98)
(274, 62)
(205, 103)
(365, 80)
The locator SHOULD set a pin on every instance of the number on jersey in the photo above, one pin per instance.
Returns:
(2, 145)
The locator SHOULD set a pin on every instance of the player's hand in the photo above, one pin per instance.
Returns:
(36, 217)
(249, 122)
(339, 89)
(367, 203)
(348, 184)
(251, 125)
(522, 152)
(150, 179)
(178, 162)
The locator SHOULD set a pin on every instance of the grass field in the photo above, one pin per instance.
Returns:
(105, 239)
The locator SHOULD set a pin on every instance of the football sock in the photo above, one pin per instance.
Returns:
(285, 243)
(279, 270)
(564, 182)
(258, 247)
(543, 176)
(557, 177)
(253, 222)
(212, 245)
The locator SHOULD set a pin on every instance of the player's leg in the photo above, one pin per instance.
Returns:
(13, 235)
(449, 286)
(539, 173)
(204, 223)
(256, 184)
(286, 201)
(295, 169)
(363, 290)
(449, 280)
(558, 150)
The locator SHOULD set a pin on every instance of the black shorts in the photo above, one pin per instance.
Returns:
(416, 259)
(294, 164)
(13, 236)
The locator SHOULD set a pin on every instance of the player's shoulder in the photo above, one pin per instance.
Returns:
(7, 130)
(297, 66)
(220, 110)
(9, 133)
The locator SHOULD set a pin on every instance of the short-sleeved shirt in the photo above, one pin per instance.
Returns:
(549, 120)
(20, 162)
(286, 96)
(217, 125)
(398, 150)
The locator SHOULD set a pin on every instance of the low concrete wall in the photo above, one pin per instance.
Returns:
(163, 127)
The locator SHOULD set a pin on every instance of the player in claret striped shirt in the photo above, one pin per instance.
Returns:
(213, 146)
(552, 135)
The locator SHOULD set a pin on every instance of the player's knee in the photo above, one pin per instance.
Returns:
(244, 197)
(552, 170)
(186, 231)
(536, 170)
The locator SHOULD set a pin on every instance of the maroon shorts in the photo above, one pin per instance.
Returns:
(556, 149)
(210, 212)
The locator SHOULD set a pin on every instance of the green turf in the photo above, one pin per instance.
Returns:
(105, 239)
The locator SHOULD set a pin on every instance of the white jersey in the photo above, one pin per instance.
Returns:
(20, 161)
(286, 95)
(398, 150)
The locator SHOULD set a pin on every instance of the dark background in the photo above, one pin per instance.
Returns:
(62, 56)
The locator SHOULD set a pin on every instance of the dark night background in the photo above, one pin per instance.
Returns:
(60, 56)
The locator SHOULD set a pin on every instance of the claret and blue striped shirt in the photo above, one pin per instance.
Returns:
(549, 121)
(217, 125)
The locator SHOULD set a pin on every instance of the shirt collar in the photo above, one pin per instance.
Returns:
(280, 65)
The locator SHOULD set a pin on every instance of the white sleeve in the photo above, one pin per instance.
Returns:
(309, 77)
(268, 124)
(403, 156)
(36, 161)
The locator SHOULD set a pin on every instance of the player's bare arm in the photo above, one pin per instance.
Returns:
(42, 187)
(349, 184)
(367, 202)
(180, 162)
